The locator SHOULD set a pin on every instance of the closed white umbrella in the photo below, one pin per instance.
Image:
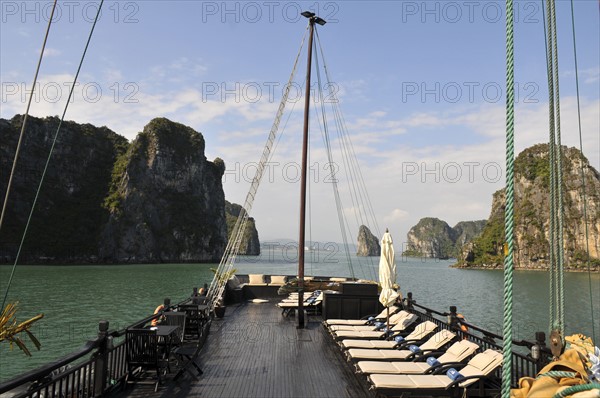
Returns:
(387, 273)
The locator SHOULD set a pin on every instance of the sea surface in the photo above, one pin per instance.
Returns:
(74, 299)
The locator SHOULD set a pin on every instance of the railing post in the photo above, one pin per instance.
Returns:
(453, 318)
(409, 300)
(537, 349)
(101, 360)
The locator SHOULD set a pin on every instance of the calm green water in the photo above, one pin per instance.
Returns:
(75, 298)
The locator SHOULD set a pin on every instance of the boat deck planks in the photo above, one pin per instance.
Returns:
(256, 352)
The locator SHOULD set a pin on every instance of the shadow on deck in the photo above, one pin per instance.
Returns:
(255, 352)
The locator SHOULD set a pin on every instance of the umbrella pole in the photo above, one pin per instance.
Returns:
(388, 318)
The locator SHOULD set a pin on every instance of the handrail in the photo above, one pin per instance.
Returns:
(414, 304)
(486, 333)
(45, 370)
(121, 332)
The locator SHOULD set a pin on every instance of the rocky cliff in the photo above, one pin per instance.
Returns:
(465, 231)
(104, 200)
(434, 238)
(532, 214)
(69, 217)
(250, 245)
(166, 202)
(368, 244)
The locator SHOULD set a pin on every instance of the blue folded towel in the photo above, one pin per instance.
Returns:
(431, 361)
(453, 374)
(399, 339)
(414, 348)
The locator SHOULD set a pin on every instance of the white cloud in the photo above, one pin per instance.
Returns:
(51, 52)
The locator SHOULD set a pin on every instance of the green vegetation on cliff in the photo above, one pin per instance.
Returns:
(105, 200)
(68, 219)
(434, 238)
(250, 244)
(532, 214)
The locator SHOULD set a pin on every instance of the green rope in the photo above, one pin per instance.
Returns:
(557, 374)
(579, 388)
(509, 212)
(39, 188)
(551, 227)
(559, 181)
(583, 194)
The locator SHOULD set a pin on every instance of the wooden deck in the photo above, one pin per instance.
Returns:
(255, 352)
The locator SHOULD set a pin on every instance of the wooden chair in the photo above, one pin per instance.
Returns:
(176, 319)
(194, 322)
(187, 355)
(142, 353)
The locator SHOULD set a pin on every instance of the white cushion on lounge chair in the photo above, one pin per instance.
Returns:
(376, 334)
(409, 381)
(335, 279)
(436, 341)
(422, 330)
(457, 352)
(394, 319)
(405, 323)
(294, 303)
(350, 343)
(390, 355)
(370, 367)
(482, 364)
(381, 315)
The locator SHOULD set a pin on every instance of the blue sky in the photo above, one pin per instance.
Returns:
(421, 85)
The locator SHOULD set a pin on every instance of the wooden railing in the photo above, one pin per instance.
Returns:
(94, 370)
(523, 364)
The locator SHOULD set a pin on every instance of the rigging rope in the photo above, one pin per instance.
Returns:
(359, 187)
(359, 193)
(556, 268)
(551, 153)
(37, 194)
(217, 286)
(326, 139)
(583, 193)
(559, 179)
(509, 212)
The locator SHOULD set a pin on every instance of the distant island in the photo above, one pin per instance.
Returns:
(481, 244)
(367, 243)
(105, 200)
(434, 238)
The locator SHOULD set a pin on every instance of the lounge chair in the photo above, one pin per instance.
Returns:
(457, 353)
(294, 299)
(400, 328)
(379, 317)
(478, 368)
(311, 304)
(394, 320)
(307, 297)
(435, 342)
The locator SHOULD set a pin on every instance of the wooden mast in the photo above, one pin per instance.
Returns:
(301, 241)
